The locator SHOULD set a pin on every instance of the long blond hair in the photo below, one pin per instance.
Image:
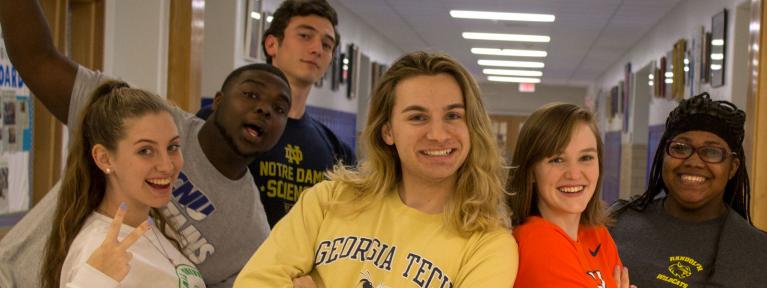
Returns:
(84, 184)
(478, 204)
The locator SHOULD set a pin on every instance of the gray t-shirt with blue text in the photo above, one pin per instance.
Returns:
(222, 220)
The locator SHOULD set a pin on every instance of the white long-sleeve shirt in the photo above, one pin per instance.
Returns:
(148, 267)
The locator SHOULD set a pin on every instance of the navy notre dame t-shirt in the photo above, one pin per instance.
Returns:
(298, 161)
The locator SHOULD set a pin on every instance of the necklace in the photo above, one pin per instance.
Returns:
(188, 275)
(161, 247)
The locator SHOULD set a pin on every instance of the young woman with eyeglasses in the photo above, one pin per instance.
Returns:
(692, 227)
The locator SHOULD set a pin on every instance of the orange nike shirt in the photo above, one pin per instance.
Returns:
(550, 258)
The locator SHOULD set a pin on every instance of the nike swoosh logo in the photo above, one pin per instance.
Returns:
(595, 251)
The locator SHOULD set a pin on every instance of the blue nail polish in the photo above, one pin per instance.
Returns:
(123, 206)
(150, 221)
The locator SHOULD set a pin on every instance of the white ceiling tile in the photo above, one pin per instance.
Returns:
(588, 36)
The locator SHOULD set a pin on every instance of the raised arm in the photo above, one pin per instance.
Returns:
(49, 74)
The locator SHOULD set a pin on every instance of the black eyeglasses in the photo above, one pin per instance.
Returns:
(709, 154)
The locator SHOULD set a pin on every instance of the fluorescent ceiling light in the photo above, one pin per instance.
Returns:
(269, 19)
(509, 52)
(505, 72)
(650, 76)
(669, 81)
(506, 37)
(513, 79)
(669, 74)
(502, 63)
(717, 42)
(502, 16)
(255, 15)
(717, 56)
(716, 67)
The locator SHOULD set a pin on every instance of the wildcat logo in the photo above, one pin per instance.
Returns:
(197, 204)
(680, 270)
(681, 267)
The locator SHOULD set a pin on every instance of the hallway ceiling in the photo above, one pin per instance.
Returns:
(587, 38)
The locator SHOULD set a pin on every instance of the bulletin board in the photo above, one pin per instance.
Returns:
(15, 141)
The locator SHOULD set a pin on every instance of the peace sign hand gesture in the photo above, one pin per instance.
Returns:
(112, 257)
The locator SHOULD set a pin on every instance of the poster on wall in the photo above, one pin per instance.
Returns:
(352, 75)
(614, 102)
(377, 71)
(660, 84)
(335, 68)
(374, 76)
(620, 98)
(677, 88)
(668, 79)
(15, 138)
(656, 79)
(691, 65)
(253, 30)
(705, 58)
(718, 46)
(594, 105)
(343, 68)
(626, 99)
(689, 71)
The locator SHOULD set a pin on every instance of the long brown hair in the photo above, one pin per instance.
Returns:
(478, 204)
(545, 133)
(84, 184)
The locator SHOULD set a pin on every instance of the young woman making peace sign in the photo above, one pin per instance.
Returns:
(124, 157)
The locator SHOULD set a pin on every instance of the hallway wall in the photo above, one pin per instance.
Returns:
(638, 143)
(684, 21)
(224, 42)
(136, 42)
(505, 98)
(136, 45)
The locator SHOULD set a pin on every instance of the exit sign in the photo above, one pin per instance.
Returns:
(526, 87)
